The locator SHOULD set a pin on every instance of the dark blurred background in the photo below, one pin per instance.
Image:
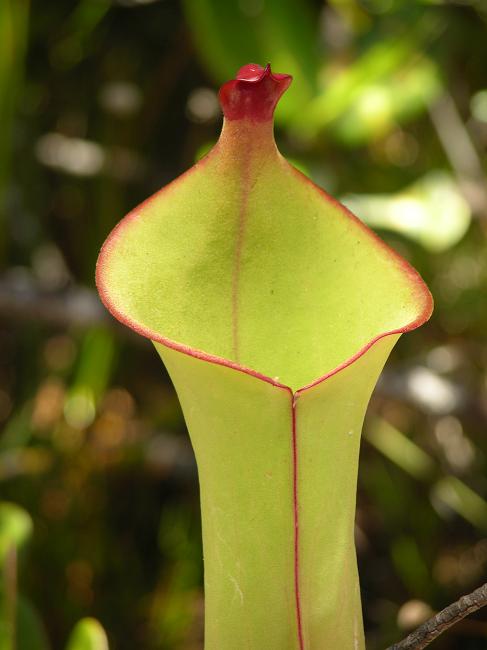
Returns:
(102, 102)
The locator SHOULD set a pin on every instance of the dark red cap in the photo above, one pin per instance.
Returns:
(253, 94)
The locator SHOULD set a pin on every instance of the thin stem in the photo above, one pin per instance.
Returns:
(436, 625)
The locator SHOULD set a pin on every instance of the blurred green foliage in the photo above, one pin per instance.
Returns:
(87, 635)
(21, 627)
(101, 103)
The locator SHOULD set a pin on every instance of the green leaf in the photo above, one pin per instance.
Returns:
(388, 82)
(14, 18)
(87, 634)
(274, 310)
(432, 211)
(380, 106)
(455, 494)
(31, 634)
(15, 529)
(400, 450)
(92, 376)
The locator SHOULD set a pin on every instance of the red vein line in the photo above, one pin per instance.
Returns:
(296, 523)
(242, 219)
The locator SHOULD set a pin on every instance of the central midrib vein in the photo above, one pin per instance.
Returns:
(296, 520)
(239, 242)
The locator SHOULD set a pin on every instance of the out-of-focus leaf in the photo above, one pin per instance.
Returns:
(410, 565)
(478, 105)
(16, 613)
(448, 491)
(13, 30)
(15, 527)
(173, 609)
(230, 34)
(379, 107)
(73, 45)
(8, 596)
(16, 432)
(452, 492)
(88, 634)
(431, 212)
(388, 81)
(92, 377)
(400, 449)
(30, 634)
(14, 16)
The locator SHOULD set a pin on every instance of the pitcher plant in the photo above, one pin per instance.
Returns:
(274, 310)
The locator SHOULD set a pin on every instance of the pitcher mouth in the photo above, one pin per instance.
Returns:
(211, 358)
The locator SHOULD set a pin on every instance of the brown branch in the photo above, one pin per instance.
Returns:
(436, 625)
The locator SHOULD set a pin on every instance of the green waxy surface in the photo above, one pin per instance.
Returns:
(329, 420)
(241, 433)
(245, 461)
